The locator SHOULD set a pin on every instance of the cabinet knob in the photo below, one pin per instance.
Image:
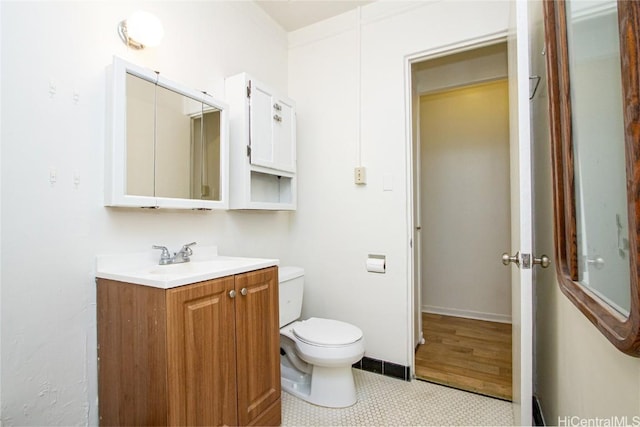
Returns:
(277, 107)
(277, 118)
(232, 293)
(244, 291)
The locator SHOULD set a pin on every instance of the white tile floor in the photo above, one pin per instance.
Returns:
(384, 401)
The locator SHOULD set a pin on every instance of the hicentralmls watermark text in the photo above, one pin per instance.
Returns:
(575, 421)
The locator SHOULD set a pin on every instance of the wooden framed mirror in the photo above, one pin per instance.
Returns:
(593, 72)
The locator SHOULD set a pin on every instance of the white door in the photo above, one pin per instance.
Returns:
(261, 125)
(418, 337)
(284, 136)
(521, 211)
(521, 220)
(273, 129)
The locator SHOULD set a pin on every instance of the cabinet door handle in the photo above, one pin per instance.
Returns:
(277, 118)
(232, 293)
(277, 107)
(244, 291)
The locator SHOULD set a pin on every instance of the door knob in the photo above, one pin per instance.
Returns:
(543, 261)
(525, 259)
(506, 259)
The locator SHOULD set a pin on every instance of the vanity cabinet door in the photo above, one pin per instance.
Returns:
(258, 347)
(132, 359)
(201, 354)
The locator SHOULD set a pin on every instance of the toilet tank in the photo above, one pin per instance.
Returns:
(290, 293)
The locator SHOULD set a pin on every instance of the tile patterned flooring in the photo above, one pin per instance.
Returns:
(385, 401)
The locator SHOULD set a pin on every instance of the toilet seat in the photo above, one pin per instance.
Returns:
(325, 355)
(326, 332)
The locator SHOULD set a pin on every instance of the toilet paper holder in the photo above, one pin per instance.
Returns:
(376, 263)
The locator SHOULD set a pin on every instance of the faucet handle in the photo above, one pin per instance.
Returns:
(165, 257)
(187, 248)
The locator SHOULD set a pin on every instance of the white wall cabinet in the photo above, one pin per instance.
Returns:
(262, 132)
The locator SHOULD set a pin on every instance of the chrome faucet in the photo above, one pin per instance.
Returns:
(183, 255)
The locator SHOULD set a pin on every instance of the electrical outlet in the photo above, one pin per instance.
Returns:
(360, 175)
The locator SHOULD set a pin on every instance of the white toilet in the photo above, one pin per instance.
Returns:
(316, 354)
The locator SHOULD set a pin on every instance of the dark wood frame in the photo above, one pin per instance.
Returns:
(623, 332)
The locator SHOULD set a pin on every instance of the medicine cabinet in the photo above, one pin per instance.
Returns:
(262, 128)
(168, 144)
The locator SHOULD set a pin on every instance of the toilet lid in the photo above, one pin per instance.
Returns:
(327, 332)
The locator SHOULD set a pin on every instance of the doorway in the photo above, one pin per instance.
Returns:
(463, 213)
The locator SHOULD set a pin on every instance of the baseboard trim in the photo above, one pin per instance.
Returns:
(383, 367)
(538, 417)
(469, 314)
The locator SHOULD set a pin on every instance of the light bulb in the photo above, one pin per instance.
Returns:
(145, 28)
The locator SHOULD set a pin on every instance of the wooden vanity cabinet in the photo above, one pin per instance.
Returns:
(201, 354)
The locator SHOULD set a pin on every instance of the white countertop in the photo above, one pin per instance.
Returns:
(142, 267)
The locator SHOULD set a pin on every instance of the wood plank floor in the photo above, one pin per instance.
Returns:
(473, 355)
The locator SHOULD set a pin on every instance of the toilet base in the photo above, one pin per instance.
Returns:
(328, 387)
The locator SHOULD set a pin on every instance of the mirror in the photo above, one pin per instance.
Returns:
(205, 156)
(591, 49)
(598, 145)
(140, 142)
(173, 144)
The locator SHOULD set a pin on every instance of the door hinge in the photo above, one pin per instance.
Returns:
(248, 151)
(249, 91)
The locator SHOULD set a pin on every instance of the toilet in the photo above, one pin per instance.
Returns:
(315, 354)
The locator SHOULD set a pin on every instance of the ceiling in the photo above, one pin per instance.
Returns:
(295, 14)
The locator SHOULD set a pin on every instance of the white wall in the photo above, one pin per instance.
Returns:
(465, 200)
(339, 223)
(52, 233)
(577, 371)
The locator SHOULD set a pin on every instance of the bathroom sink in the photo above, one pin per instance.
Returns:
(192, 267)
(205, 264)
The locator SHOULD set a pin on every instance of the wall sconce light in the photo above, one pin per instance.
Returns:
(141, 29)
